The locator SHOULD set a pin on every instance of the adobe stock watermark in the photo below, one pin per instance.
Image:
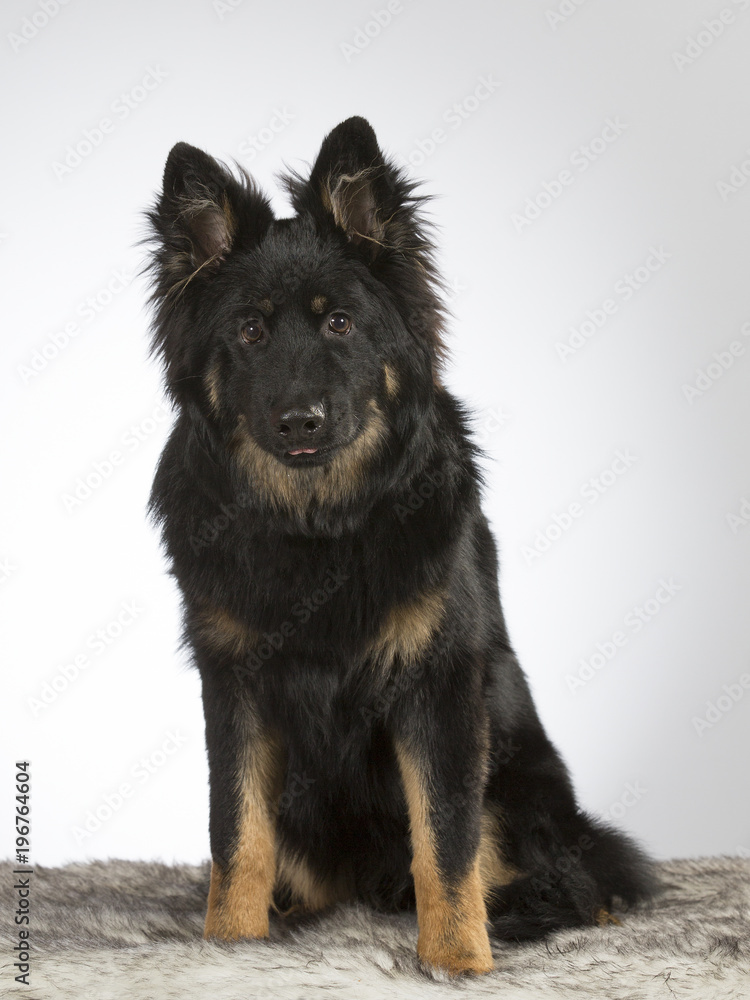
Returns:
(580, 159)
(452, 289)
(422, 319)
(739, 173)
(119, 111)
(7, 569)
(570, 857)
(591, 492)
(379, 20)
(710, 29)
(554, 872)
(421, 493)
(563, 12)
(86, 311)
(489, 423)
(103, 469)
(210, 528)
(740, 519)
(98, 642)
(718, 709)
(140, 774)
(632, 794)
(251, 145)
(719, 364)
(300, 614)
(446, 810)
(624, 290)
(633, 622)
(297, 786)
(37, 21)
(224, 7)
(402, 682)
(454, 117)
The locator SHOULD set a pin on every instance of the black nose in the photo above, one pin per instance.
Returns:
(298, 424)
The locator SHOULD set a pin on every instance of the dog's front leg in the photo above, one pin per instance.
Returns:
(441, 751)
(246, 774)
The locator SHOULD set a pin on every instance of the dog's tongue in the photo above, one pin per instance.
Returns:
(303, 451)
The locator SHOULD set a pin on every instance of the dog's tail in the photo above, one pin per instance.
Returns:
(571, 875)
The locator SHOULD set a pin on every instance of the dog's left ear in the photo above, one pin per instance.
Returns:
(350, 184)
(355, 190)
(349, 178)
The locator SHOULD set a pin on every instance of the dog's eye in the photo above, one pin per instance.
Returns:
(251, 332)
(339, 323)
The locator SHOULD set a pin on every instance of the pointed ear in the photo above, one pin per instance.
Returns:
(351, 182)
(353, 188)
(349, 173)
(203, 213)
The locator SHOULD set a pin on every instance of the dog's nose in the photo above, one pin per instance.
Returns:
(298, 424)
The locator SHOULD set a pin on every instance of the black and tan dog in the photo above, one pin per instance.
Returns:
(370, 733)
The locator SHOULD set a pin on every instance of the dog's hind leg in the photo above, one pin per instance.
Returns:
(570, 867)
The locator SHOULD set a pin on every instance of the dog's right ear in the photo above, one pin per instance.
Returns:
(202, 214)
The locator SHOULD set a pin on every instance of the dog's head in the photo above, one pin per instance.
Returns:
(309, 343)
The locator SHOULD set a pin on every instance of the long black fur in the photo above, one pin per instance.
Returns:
(318, 578)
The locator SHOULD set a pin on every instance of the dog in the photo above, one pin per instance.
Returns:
(370, 733)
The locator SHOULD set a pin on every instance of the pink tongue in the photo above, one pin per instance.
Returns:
(303, 451)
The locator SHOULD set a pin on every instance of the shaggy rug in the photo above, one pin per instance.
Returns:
(126, 929)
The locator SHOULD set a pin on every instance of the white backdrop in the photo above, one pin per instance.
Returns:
(591, 161)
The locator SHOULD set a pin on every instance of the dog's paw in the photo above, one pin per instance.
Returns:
(235, 933)
(234, 925)
(467, 953)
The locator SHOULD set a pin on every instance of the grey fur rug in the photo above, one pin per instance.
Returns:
(111, 930)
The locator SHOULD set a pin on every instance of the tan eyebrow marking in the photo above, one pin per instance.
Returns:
(318, 304)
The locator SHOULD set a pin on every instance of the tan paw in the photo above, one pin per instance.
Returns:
(459, 954)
